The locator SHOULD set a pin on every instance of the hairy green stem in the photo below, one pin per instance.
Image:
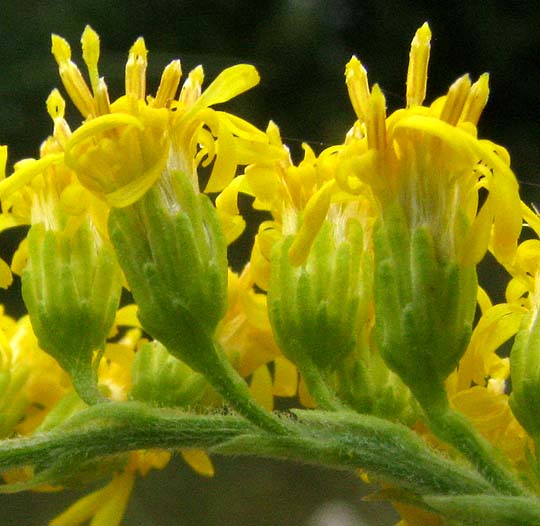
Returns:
(388, 451)
(454, 428)
(225, 379)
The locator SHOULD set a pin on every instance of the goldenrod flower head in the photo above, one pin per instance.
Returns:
(123, 146)
(429, 160)
(318, 308)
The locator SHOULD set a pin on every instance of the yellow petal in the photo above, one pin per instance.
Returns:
(3, 161)
(199, 461)
(6, 278)
(230, 83)
(285, 377)
(127, 316)
(27, 172)
(113, 508)
(82, 510)
(314, 215)
(261, 387)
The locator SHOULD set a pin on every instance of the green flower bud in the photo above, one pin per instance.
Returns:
(162, 380)
(71, 288)
(424, 307)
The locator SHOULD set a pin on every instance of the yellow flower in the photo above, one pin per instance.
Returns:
(123, 146)
(298, 198)
(429, 160)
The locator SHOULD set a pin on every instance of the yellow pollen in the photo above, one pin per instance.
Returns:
(477, 99)
(455, 100)
(136, 70)
(376, 120)
(418, 66)
(90, 51)
(168, 85)
(358, 87)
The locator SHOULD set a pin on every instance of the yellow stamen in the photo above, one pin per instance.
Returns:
(90, 51)
(136, 70)
(418, 66)
(56, 105)
(168, 84)
(60, 49)
(103, 105)
(477, 99)
(455, 100)
(191, 90)
(358, 87)
(71, 77)
(376, 120)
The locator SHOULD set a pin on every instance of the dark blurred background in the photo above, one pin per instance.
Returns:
(300, 48)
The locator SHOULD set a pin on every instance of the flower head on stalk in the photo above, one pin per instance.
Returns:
(71, 283)
(443, 196)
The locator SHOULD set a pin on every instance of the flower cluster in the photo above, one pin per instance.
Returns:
(360, 295)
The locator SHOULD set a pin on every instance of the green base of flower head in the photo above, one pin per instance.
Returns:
(71, 289)
(424, 306)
